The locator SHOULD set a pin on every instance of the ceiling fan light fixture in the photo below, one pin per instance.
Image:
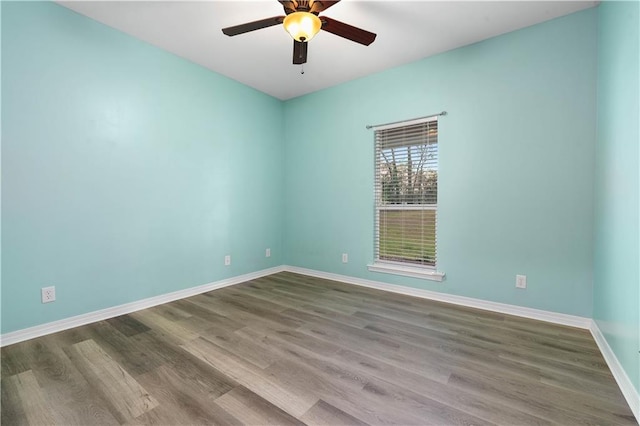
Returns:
(302, 26)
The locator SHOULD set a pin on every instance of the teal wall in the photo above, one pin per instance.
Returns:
(616, 307)
(516, 166)
(126, 171)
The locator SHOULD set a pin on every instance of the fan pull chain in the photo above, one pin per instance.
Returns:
(302, 69)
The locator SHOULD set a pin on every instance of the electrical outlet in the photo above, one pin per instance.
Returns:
(345, 258)
(521, 281)
(227, 260)
(48, 294)
(267, 253)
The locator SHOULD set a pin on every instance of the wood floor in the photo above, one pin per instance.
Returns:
(290, 349)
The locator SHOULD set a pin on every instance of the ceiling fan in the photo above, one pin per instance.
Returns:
(302, 23)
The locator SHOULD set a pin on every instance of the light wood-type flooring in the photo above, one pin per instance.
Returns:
(290, 349)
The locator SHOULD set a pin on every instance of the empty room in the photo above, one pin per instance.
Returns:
(320, 212)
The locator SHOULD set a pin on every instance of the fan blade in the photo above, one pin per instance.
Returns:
(252, 26)
(321, 5)
(347, 31)
(289, 6)
(299, 52)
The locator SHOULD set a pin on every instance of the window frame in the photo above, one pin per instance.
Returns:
(405, 268)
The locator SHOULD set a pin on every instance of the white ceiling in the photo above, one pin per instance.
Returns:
(407, 31)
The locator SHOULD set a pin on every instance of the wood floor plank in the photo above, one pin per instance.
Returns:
(127, 325)
(419, 352)
(171, 311)
(338, 374)
(300, 339)
(353, 367)
(179, 412)
(252, 409)
(322, 300)
(172, 330)
(131, 356)
(417, 410)
(255, 307)
(210, 317)
(269, 304)
(338, 383)
(424, 407)
(427, 386)
(539, 357)
(605, 389)
(126, 396)
(11, 410)
(399, 353)
(566, 366)
(355, 402)
(183, 400)
(323, 413)
(393, 371)
(75, 401)
(245, 348)
(289, 348)
(37, 409)
(243, 314)
(13, 360)
(185, 364)
(264, 289)
(540, 336)
(269, 388)
(548, 403)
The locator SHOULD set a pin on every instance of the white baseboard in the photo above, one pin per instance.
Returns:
(103, 314)
(76, 321)
(624, 383)
(537, 314)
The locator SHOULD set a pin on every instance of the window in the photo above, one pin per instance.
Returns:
(406, 198)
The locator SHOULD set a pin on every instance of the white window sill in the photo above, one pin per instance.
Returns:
(407, 271)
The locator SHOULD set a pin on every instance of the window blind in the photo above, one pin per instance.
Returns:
(406, 193)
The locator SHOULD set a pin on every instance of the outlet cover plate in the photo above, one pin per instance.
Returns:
(521, 281)
(48, 294)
